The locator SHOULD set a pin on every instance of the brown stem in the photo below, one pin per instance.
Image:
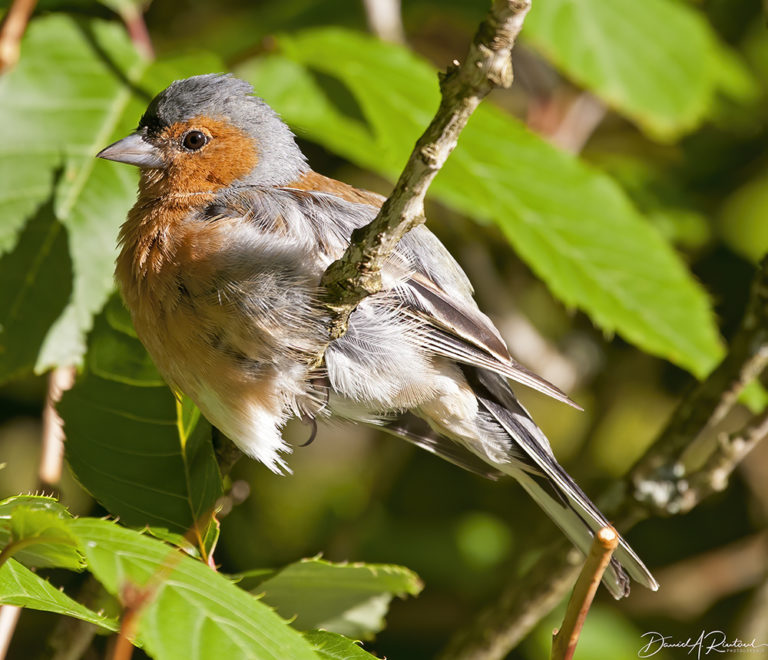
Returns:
(385, 19)
(713, 476)
(658, 484)
(564, 640)
(123, 648)
(9, 617)
(12, 31)
(582, 116)
(488, 64)
(137, 30)
(52, 457)
(135, 599)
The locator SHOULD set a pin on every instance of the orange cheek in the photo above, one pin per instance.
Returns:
(230, 155)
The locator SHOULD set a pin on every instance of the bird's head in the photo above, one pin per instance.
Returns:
(208, 132)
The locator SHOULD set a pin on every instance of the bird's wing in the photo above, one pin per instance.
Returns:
(460, 331)
(418, 432)
(431, 288)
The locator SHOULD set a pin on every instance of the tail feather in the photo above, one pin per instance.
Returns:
(580, 532)
(559, 496)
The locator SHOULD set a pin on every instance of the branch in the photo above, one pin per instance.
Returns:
(713, 476)
(659, 481)
(60, 380)
(12, 30)
(385, 19)
(579, 120)
(9, 617)
(358, 273)
(133, 18)
(564, 640)
(660, 484)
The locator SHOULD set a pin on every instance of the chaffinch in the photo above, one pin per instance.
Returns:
(220, 264)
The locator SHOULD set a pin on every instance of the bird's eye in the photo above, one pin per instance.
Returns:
(194, 140)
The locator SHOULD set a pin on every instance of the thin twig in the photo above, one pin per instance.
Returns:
(133, 18)
(385, 20)
(12, 31)
(488, 64)
(52, 457)
(580, 119)
(658, 485)
(9, 617)
(713, 476)
(134, 600)
(564, 640)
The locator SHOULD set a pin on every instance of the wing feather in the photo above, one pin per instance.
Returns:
(465, 334)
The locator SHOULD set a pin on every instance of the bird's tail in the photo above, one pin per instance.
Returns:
(552, 488)
(578, 518)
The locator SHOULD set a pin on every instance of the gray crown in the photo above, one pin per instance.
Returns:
(280, 160)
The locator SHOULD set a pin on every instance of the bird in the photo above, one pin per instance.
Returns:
(220, 265)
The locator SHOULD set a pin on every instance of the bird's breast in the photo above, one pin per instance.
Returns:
(215, 300)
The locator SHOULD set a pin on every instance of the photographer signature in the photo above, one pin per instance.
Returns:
(712, 641)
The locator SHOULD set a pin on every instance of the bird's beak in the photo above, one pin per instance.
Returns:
(133, 150)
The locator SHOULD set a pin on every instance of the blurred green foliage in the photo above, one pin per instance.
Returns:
(650, 233)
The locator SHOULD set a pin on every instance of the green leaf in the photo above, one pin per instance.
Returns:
(62, 116)
(331, 646)
(572, 224)
(144, 455)
(659, 62)
(35, 531)
(21, 587)
(37, 285)
(116, 354)
(190, 610)
(350, 599)
(41, 502)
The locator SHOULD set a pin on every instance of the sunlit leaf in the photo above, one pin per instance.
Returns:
(185, 609)
(144, 455)
(21, 587)
(572, 224)
(34, 530)
(331, 646)
(37, 285)
(350, 599)
(658, 61)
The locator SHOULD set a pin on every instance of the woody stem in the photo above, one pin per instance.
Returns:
(487, 65)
